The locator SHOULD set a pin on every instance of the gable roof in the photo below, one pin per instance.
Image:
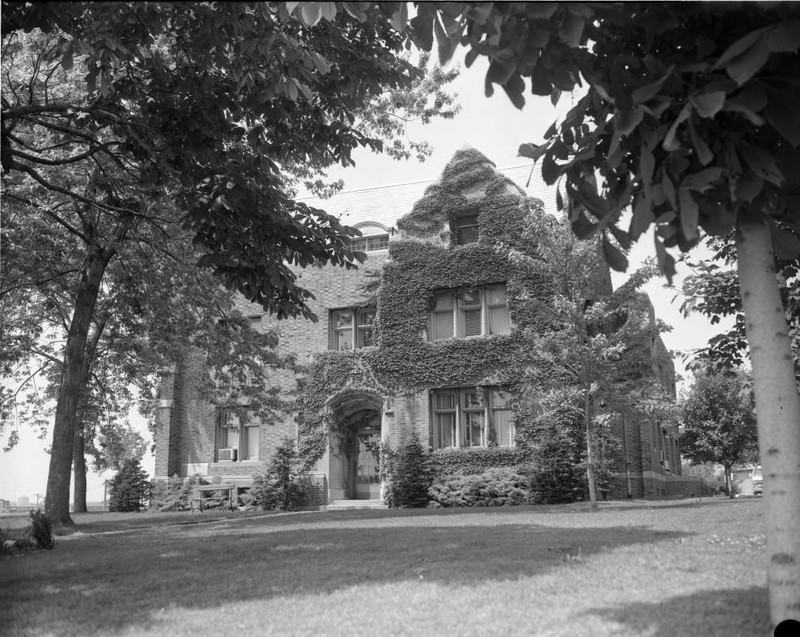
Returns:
(387, 203)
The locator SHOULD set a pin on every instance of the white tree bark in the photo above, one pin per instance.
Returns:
(778, 411)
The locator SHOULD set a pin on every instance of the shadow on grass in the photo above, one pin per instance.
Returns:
(740, 612)
(97, 584)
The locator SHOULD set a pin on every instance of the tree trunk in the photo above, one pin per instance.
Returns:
(587, 416)
(69, 393)
(778, 411)
(79, 470)
(729, 481)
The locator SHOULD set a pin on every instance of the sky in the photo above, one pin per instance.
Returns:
(494, 127)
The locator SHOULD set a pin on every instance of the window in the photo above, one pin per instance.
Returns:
(374, 237)
(474, 417)
(352, 328)
(465, 229)
(470, 312)
(370, 244)
(237, 440)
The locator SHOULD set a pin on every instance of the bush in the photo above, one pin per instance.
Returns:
(129, 489)
(494, 487)
(4, 548)
(475, 459)
(409, 475)
(278, 488)
(173, 494)
(26, 543)
(41, 530)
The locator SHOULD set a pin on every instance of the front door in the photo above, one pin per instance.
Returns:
(367, 478)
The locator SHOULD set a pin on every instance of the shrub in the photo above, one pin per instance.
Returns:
(173, 494)
(129, 488)
(25, 543)
(41, 530)
(279, 488)
(410, 475)
(494, 487)
(4, 548)
(468, 460)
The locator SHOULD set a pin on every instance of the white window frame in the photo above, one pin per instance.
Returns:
(458, 311)
(358, 327)
(231, 420)
(460, 435)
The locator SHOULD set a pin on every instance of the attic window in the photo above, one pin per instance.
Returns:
(466, 229)
(374, 237)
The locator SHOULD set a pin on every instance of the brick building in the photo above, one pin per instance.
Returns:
(428, 335)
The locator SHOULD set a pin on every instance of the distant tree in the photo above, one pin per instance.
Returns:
(713, 291)
(718, 421)
(129, 489)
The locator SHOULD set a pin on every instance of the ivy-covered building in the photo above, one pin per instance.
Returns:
(428, 336)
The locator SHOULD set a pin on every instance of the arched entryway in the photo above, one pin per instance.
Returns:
(355, 446)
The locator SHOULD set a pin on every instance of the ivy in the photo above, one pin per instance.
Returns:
(425, 260)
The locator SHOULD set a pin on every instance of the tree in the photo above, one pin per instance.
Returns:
(129, 489)
(592, 358)
(713, 290)
(116, 131)
(690, 118)
(718, 422)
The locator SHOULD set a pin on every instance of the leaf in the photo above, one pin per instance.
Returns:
(311, 13)
(627, 121)
(747, 65)
(648, 91)
(446, 44)
(784, 116)
(784, 38)
(582, 226)
(531, 151)
(328, 10)
(571, 29)
(399, 18)
(422, 26)
(642, 216)
(541, 10)
(787, 245)
(735, 107)
(550, 170)
(665, 260)
(717, 220)
(514, 88)
(704, 153)
(737, 48)
(671, 142)
(290, 7)
(690, 214)
(559, 200)
(708, 104)
(763, 164)
(747, 186)
(703, 180)
(602, 92)
(622, 237)
(614, 257)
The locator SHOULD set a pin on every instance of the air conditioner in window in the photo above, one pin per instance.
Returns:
(228, 455)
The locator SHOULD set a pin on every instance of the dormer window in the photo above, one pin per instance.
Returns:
(374, 237)
(466, 229)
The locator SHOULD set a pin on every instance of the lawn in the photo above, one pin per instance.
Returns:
(630, 569)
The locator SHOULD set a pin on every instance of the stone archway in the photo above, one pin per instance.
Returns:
(355, 442)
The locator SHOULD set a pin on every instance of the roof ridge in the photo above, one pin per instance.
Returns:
(402, 183)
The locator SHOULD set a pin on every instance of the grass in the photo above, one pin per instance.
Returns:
(630, 569)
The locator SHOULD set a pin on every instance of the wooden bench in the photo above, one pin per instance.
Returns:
(215, 496)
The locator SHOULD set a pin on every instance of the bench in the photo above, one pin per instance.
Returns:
(215, 496)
